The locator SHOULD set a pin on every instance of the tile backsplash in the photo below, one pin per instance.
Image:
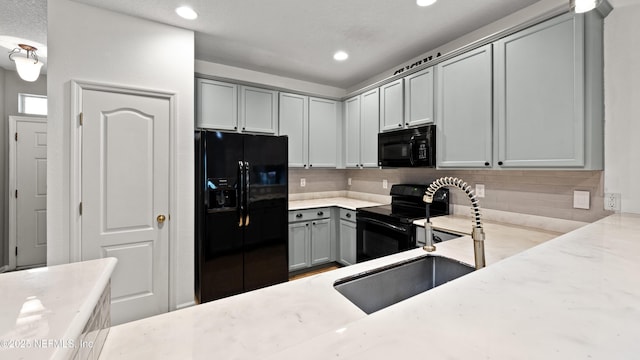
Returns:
(536, 192)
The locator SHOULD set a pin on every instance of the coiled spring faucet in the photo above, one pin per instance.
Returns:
(477, 233)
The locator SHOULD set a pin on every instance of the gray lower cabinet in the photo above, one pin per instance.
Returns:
(464, 111)
(348, 237)
(310, 238)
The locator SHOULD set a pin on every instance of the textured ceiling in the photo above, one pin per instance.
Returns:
(295, 38)
(298, 38)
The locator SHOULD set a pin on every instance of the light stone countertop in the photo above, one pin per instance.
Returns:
(44, 310)
(343, 202)
(575, 296)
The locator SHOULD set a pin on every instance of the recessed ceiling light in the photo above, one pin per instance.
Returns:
(340, 56)
(187, 13)
(425, 2)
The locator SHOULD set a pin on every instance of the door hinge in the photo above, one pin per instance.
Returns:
(16, 136)
(81, 118)
(80, 208)
(16, 193)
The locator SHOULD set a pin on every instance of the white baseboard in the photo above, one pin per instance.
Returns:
(185, 305)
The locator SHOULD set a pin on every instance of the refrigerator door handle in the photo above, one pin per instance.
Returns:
(246, 192)
(240, 196)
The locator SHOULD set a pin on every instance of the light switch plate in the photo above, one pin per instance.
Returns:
(581, 199)
(480, 190)
(385, 184)
(349, 181)
(303, 182)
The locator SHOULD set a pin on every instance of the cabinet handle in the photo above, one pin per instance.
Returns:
(310, 165)
(320, 213)
(235, 128)
(399, 125)
(244, 128)
(500, 163)
(314, 223)
(298, 215)
(406, 124)
(486, 163)
(348, 215)
(361, 165)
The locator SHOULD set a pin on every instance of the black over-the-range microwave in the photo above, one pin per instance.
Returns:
(414, 147)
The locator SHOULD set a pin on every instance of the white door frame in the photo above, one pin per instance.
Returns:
(13, 202)
(75, 183)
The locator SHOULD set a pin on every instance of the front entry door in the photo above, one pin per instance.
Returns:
(125, 197)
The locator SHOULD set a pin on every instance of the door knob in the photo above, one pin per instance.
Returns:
(161, 219)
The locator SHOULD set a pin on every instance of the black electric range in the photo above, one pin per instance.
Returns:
(388, 229)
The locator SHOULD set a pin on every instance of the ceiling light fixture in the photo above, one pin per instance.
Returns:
(28, 67)
(582, 6)
(425, 2)
(186, 13)
(340, 56)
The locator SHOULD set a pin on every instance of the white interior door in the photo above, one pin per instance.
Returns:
(29, 191)
(125, 197)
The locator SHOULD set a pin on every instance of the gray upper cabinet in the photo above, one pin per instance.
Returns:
(539, 90)
(361, 128)
(352, 132)
(392, 106)
(311, 125)
(464, 110)
(369, 120)
(418, 98)
(217, 105)
(294, 120)
(258, 110)
(323, 127)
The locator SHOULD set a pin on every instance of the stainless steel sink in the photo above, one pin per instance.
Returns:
(382, 287)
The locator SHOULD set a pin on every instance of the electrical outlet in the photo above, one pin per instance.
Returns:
(349, 181)
(303, 182)
(480, 190)
(612, 201)
(385, 184)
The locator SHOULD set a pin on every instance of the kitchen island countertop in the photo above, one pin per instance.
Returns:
(575, 296)
(45, 310)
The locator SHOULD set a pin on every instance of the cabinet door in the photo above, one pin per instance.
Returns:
(347, 242)
(294, 119)
(418, 95)
(539, 92)
(323, 125)
(299, 246)
(216, 105)
(392, 106)
(369, 122)
(320, 241)
(352, 132)
(258, 110)
(464, 111)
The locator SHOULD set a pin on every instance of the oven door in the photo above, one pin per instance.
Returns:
(377, 238)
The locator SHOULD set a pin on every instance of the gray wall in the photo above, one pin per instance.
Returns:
(10, 86)
(535, 192)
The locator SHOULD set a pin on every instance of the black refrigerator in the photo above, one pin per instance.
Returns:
(241, 229)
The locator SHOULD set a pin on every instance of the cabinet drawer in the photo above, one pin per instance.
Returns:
(309, 214)
(348, 215)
